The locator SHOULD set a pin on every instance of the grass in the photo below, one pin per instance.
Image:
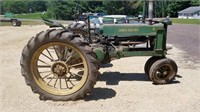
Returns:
(30, 22)
(185, 21)
(32, 19)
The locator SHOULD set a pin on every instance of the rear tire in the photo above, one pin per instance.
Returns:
(67, 58)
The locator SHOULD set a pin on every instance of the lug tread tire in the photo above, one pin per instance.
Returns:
(59, 36)
(78, 28)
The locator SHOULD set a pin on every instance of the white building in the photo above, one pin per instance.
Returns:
(190, 13)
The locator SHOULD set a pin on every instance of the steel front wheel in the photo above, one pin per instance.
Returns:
(149, 63)
(163, 71)
(59, 66)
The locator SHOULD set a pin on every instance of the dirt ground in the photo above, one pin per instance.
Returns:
(122, 86)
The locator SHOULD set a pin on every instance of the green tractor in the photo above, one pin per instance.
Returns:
(62, 64)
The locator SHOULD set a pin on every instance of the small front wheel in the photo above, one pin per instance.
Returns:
(163, 71)
(149, 63)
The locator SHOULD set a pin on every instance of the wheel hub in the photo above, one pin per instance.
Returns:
(165, 73)
(59, 68)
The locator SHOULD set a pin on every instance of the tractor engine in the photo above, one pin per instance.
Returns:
(118, 38)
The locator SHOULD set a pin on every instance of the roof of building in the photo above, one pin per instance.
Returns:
(190, 10)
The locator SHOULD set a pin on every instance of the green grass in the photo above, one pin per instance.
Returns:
(30, 16)
(185, 21)
(28, 22)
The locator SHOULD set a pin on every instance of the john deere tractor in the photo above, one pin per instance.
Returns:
(63, 63)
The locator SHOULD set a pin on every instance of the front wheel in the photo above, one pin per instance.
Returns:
(149, 63)
(59, 65)
(163, 71)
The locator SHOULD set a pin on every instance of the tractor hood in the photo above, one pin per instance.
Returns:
(124, 30)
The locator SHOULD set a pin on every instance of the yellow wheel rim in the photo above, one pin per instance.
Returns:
(59, 68)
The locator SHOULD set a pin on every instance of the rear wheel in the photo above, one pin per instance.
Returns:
(78, 28)
(163, 71)
(82, 30)
(59, 65)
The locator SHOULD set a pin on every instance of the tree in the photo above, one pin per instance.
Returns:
(59, 9)
(19, 7)
(195, 2)
(14, 6)
(37, 6)
(174, 7)
(122, 7)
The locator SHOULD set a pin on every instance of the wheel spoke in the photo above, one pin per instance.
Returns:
(71, 82)
(47, 56)
(160, 70)
(43, 66)
(66, 83)
(45, 72)
(50, 54)
(60, 83)
(46, 76)
(69, 57)
(55, 82)
(163, 72)
(73, 60)
(166, 68)
(65, 52)
(50, 80)
(75, 74)
(81, 69)
(56, 53)
(75, 65)
(43, 62)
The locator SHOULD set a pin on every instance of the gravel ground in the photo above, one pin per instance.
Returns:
(122, 86)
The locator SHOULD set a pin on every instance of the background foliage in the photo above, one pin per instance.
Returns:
(66, 9)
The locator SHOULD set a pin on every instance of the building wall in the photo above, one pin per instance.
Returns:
(195, 15)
